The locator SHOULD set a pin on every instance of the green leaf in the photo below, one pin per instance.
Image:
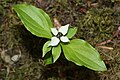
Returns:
(48, 59)
(71, 32)
(35, 20)
(82, 53)
(56, 51)
(46, 48)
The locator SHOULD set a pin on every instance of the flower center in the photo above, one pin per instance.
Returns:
(59, 35)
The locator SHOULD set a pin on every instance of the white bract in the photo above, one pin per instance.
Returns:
(59, 35)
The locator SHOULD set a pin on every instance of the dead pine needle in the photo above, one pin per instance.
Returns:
(105, 47)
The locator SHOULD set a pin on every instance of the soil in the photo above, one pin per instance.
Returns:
(97, 21)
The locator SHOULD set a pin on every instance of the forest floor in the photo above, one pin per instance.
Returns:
(98, 23)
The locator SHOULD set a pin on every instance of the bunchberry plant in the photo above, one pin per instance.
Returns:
(59, 35)
(60, 39)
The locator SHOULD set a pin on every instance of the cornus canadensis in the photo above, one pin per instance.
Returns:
(59, 35)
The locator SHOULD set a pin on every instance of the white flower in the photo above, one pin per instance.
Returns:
(59, 35)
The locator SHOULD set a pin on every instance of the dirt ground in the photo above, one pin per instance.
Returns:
(98, 23)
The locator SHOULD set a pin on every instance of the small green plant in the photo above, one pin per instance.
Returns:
(59, 39)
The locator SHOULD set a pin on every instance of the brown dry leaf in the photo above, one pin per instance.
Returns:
(56, 23)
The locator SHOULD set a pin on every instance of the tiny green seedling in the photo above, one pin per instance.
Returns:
(60, 39)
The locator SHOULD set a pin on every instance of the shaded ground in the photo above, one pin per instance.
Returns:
(97, 21)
